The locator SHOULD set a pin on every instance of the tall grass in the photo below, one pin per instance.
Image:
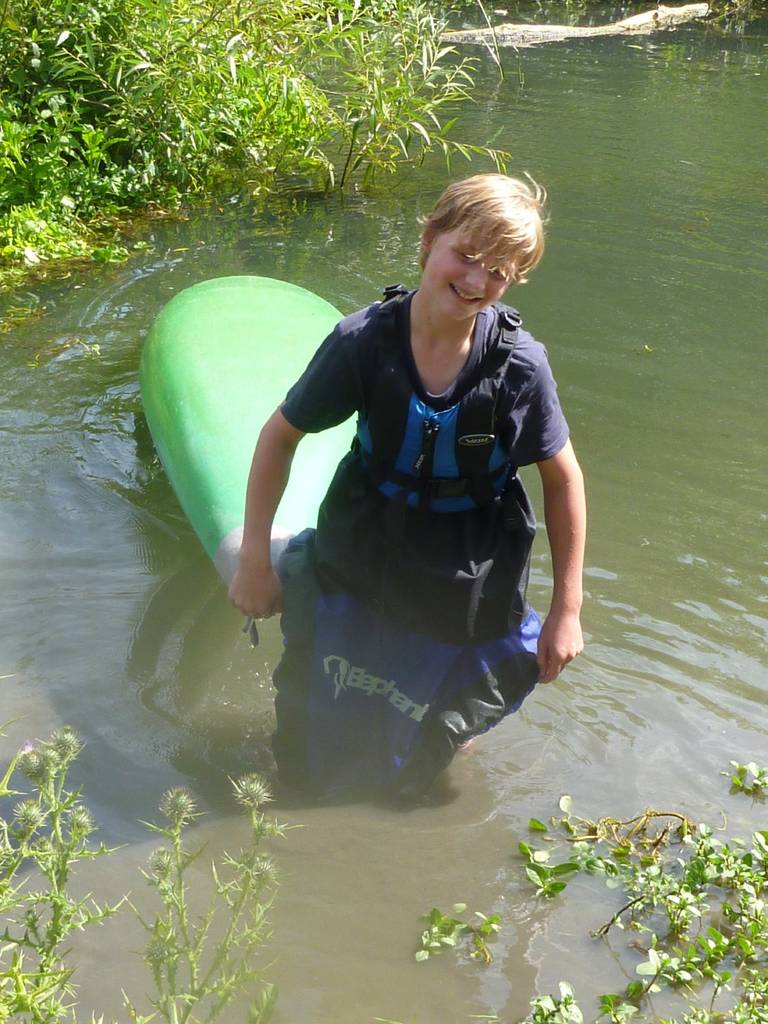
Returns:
(110, 104)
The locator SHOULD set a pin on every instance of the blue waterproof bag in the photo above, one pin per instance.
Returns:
(366, 706)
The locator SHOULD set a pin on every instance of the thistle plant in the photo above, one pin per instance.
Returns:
(200, 964)
(48, 833)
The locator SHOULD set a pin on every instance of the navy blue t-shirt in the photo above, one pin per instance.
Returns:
(530, 422)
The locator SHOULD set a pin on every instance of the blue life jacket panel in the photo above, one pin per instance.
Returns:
(449, 460)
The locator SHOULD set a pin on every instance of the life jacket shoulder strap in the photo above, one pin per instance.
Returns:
(510, 322)
(387, 407)
(477, 429)
(394, 291)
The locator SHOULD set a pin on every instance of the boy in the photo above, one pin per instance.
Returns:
(423, 539)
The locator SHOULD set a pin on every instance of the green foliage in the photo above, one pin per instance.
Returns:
(616, 1009)
(446, 932)
(748, 778)
(735, 15)
(130, 99)
(547, 878)
(700, 900)
(47, 834)
(23, 226)
(394, 78)
(111, 105)
(198, 964)
(552, 1010)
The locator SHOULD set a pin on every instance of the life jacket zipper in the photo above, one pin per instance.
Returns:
(431, 428)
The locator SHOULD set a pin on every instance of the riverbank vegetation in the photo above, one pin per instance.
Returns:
(694, 902)
(110, 106)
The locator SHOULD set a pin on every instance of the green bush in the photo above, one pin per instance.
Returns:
(111, 104)
(127, 100)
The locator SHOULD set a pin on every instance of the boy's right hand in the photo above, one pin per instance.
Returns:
(256, 592)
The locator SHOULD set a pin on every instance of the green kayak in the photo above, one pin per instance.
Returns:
(217, 362)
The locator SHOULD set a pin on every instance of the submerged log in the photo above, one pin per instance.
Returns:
(530, 35)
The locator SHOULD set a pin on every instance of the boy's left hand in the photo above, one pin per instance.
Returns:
(559, 643)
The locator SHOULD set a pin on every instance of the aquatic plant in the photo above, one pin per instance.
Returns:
(749, 778)
(700, 901)
(555, 1010)
(446, 932)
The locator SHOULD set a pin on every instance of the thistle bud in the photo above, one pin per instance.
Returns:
(156, 953)
(252, 791)
(28, 816)
(178, 806)
(7, 857)
(265, 871)
(66, 743)
(32, 766)
(81, 822)
(161, 863)
(51, 762)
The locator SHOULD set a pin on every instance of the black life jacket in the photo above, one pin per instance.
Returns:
(382, 532)
(450, 460)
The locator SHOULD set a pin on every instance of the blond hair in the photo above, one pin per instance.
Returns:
(505, 213)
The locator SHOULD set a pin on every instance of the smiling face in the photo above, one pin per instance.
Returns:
(456, 283)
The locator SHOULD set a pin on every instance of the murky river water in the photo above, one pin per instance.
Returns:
(652, 301)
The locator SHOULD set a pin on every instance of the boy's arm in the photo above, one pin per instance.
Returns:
(565, 514)
(255, 587)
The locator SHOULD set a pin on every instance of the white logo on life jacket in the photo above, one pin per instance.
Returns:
(473, 439)
(346, 676)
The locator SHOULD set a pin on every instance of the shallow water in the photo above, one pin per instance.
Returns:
(652, 302)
